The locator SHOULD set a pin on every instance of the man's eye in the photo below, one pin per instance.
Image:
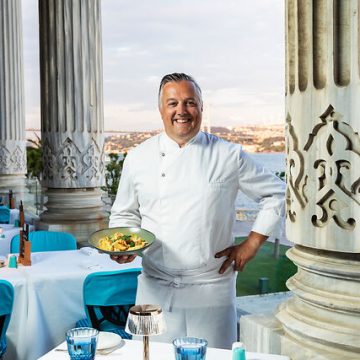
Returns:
(172, 104)
(191, 103)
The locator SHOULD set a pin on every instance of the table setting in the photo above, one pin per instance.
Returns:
(106, 342)
(146, 321)
(133, 349)
(49, 298)
(7, 232)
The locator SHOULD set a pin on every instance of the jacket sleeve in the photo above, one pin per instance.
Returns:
(268, 190)
(125, 210)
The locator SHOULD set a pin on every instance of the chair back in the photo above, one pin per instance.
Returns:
(46, 241)
(108, 296)
(4, 215)
(6, 304)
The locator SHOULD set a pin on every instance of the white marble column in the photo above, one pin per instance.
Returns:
(72, 114)
(12, 120)
(322, 320)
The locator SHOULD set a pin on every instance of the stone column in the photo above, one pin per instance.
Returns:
(12, 120)
(322, 320)
(72, 115)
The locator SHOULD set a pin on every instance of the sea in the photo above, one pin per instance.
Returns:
(275, 162)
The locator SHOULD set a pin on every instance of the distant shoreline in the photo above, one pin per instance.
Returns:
(256, 139)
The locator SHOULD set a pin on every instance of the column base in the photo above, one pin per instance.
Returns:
(264, 333)
(16, 183)
(323, 316)
(78, 211)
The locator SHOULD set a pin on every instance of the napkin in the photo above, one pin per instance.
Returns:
(88, 251)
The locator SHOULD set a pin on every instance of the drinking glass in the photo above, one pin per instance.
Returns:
(81, 343)
(190, 348)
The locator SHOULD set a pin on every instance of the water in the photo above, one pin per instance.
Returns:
(190, 352)
(84, 350)
(275, 162)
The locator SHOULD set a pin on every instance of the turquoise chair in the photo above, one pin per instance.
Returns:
(46, 241)
(108, 296)
(4, 215)
(6, 304)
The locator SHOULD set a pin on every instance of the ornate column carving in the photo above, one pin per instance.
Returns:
(72, 111)
(12, 120)
(322, 320)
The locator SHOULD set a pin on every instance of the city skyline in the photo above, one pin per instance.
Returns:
(235, 50)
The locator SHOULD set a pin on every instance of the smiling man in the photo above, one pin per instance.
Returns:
(182, 185)
(181, 107)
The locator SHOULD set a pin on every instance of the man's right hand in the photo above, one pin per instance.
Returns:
(123, 259)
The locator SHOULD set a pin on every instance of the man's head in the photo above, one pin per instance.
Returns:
(180, 106)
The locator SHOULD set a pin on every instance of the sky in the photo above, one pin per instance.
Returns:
(233, 48)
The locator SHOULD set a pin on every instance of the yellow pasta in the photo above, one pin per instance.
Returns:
(120, 242)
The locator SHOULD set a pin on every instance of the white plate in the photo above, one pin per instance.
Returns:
(106, 340)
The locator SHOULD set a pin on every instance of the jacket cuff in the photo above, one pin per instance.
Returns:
(268, 223)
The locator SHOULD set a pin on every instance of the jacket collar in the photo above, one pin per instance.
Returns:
(169, 145)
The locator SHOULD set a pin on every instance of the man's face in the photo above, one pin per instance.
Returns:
(181, 108)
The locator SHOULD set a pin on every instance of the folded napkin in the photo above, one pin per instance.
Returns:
(89, 251)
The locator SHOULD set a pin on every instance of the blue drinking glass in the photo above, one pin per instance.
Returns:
(190, 348)
(81, 343)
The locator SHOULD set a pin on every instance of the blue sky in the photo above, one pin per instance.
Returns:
(234, 49)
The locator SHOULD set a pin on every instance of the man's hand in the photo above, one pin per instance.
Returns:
(123, 259)
(242, 253)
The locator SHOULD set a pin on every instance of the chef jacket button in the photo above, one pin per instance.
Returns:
(162, 154)
(163, 174)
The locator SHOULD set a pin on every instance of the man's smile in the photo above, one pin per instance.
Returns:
(181, 121)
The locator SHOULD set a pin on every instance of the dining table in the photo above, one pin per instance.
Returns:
(7, 232)
(133, 349)
(14, 215)
(49, 298)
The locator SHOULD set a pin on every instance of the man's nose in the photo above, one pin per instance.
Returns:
(181, 108)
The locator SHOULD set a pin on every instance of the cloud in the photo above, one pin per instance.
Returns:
(131, 117)
(236, 53)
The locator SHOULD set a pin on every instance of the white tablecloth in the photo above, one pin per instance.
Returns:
(132, 350)
(14, 215)
(9, 231)
(49, 300)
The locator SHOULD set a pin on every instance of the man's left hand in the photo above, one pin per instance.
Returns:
(242, 253)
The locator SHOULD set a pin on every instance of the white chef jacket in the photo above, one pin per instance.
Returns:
(186, 197)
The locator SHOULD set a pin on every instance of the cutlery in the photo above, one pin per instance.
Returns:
(107, 351)
(101, 351)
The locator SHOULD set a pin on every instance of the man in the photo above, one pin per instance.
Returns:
(181, 185)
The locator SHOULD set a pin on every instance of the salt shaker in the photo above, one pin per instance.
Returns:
(12, 261)
(238, 351)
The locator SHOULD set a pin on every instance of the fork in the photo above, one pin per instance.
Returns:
(107, 351)
(98, 352)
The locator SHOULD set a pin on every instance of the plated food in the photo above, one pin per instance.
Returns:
(122, 240)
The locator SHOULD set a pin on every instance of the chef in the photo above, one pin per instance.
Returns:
(182, 185)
